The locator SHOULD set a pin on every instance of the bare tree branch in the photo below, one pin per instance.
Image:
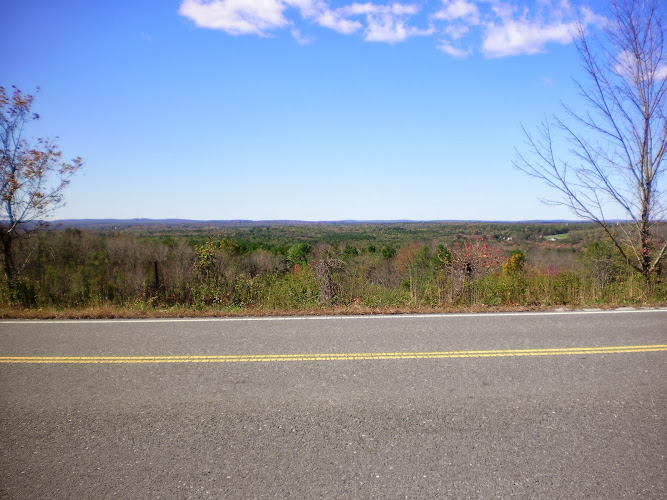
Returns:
(617, 147)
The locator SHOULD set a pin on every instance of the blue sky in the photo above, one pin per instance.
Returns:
(296, 109)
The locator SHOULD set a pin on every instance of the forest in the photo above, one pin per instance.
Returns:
(220, 268)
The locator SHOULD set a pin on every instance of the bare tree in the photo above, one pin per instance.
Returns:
(32, 177)
(324, 268)
(616, 146)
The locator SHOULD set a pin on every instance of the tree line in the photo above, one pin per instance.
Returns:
(74, 268)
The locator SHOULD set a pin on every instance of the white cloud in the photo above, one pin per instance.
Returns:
(322, 15)
(496, 28)
(386, 30)
(396, 9)
(508, 28)
(385, 23)
(236, 17)
(523, 37)
(453, 10)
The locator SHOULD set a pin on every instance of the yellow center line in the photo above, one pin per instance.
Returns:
(248, 358)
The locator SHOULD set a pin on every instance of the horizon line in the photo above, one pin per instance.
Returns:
(174, 220)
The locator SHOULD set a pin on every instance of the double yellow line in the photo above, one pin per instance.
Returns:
(253, 358)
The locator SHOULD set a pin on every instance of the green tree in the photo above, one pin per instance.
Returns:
(388, 252)
(350, 251)
(298, 254)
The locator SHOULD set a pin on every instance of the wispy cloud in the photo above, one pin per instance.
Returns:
(385, 23)
(300, 39)
(456, 31)
(494, 28)
(456, 52)
(334, 21)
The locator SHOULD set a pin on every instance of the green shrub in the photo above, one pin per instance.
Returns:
(388, 252)
(298, 290)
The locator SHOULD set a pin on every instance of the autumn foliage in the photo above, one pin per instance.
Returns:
(473, 259)
(83, 268)
(33, 175)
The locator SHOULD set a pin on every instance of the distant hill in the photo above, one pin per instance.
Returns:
(108, 224)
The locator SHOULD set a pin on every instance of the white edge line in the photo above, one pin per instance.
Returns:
(326, 318)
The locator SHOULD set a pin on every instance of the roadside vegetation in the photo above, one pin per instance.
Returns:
(253, 268)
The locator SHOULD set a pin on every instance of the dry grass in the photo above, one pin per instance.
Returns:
(116, 312)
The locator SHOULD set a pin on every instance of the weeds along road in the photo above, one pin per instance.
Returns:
(464, 406)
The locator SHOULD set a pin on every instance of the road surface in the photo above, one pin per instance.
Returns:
(454, 406)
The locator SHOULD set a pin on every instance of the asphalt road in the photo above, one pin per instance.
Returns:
(495, 412)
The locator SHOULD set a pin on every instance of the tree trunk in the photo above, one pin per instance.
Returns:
(6, 241)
